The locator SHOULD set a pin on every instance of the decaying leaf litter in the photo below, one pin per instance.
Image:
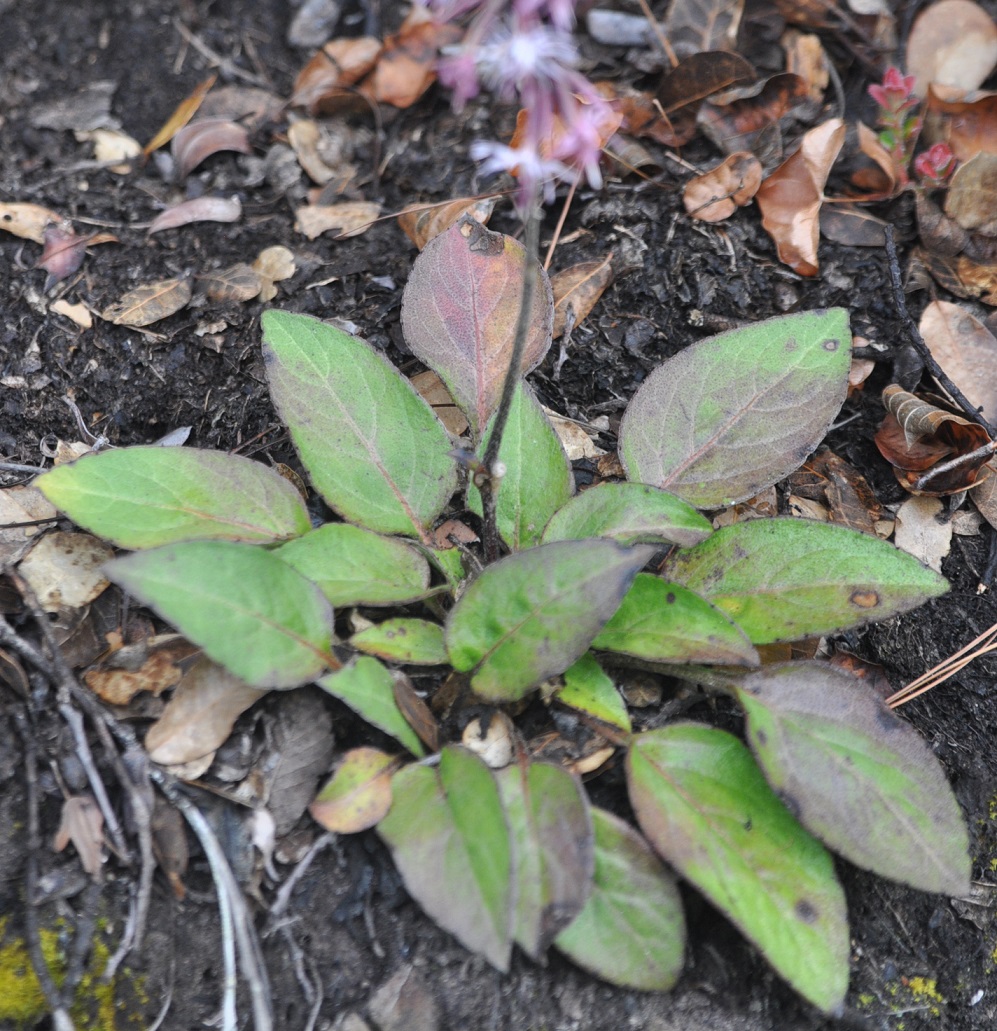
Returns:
(639, 320)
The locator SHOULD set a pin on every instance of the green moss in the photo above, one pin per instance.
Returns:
(96, 1004)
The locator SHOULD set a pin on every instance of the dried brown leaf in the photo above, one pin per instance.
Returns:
(851, 225)
(718, 193)
(923, 531)
(150, 303)
(153, 665)
(234, 284)
(19, 505)
(198, 141)
(806, 57)
(791, 197)
(200, 715)
(968, 126)
(304, 137)
(64, 570)
(574, 438)
(684, 89)
(952, 43)
(272, 265)
(966, 350)
(693, 26)
(335, 68)
(972, 195)
(183, 113)
(830, 480)
(985, 496)
(415, 710)
(27, 221)
(406, 67)
(113, 145)
(421, 223)
(351, 218)
(201, 209)
(941, 235)
(577, 289)
(82, 824)
(169, 844)
(435, 393)
(747, 117)
(878, 180)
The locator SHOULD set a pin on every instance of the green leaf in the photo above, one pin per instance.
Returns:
(368, 688)
(460, 309)
(733, 414)
(551, 831)
(353, 566)
(448, 834)
(372, 447)
(450, 563)
(663, 622)
(856, 775)
(250, 612)
(537, 480)
(631, 931)
(631, 513)
(783, 579)
(588, 689)
(529, 616)
(415, 641)
(704, 805)
(141, 497)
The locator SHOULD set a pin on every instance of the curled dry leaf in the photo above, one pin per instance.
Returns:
(577, 289)
(966, 350)
(791, 197)
(150, 303)
(747, 117)
(250, 105)
(236, 283)
(406, 67)
(421, 223)
(952, 43)
(416, 712)
(684, 89)
(63, 253)
(273, 265)
(916, 436)
(199, 140)
(201, 209)
(968, 126)
(878, 180)
(83, 825)
(152, 665)
(337, 66)
(304, 137)
(200, 715)
(113, 145)
(806, 57)
(718, 193)
(183, 113)
(27, 221)
(351, 218)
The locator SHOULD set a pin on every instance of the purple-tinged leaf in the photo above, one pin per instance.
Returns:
(199, 140)
(459, 314)
(201, 209)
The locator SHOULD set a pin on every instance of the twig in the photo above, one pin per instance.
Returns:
(986, 581)
(490, 474)
(917, 340)
(86, 927)
(226, 64)
(13, 467)
(283, 899)
(955, 463)
(666, 47)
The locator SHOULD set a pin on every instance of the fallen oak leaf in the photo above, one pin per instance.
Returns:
(201, 209)
(791, 197)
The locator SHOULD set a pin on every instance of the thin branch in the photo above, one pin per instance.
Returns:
(955, 463)
(917, 340)
(489, 475)
(986, 642)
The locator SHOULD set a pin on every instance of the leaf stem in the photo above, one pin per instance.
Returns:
(490, 474)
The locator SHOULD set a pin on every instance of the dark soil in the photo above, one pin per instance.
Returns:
(350, 927)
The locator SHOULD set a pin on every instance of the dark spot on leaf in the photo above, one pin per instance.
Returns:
(747, 824)
(887, 721)
(670, 598)
(761, 737)
(269, 357)
(790, 802)
(865, 599)
(791, 345)
(831, 344)
(806, 911)
(739, 553)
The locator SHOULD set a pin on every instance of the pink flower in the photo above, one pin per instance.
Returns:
(896, 92)
(935, 164)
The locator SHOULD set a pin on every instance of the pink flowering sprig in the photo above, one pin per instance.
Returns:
(523, 52)
(899, 122)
